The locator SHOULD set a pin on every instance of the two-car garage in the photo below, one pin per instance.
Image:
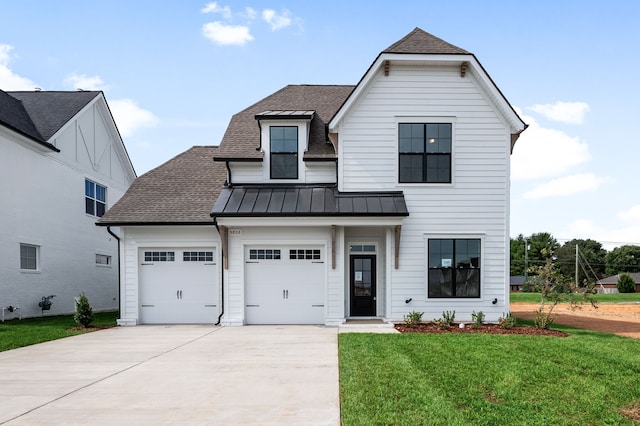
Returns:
(283, 284)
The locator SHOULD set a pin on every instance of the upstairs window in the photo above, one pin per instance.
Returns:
(424, 152)
(95, 198)
(283, 146)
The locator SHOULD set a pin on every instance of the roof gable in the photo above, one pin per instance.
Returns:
(421, 47)
(421, 42)
(50, 111)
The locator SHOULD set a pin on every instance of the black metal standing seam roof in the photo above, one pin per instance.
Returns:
(316, 200)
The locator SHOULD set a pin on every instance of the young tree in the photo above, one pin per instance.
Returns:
(623, 259)
(84, 312)
(554, 288)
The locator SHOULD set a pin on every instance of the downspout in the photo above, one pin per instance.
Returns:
(119, 271)
(215, 222)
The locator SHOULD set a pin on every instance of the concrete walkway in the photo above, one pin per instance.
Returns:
(165, 375)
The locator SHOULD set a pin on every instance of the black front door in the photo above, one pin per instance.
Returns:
(363, 286)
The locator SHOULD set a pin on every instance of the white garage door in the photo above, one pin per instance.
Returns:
(178, 286)
(284, 285)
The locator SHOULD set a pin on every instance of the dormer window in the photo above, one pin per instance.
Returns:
(283, 146)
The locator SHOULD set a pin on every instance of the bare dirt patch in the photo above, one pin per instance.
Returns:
(622, 319)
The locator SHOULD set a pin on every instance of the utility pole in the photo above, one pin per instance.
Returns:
(526, 259)
(577, 257)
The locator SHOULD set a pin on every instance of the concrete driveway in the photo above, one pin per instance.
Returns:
(180, 374)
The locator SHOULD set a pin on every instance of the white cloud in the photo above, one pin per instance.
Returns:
(250, 13)
(223, 34)
(214, 8)
(85, 82)
(565, 112)
(566, 186)
(632, 215)
(276, 21)
(129, 117)
(615, 235)
(8, 79)
(542, 152)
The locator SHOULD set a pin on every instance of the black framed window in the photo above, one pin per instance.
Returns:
(283, 146)
(95, 198)
(454, 267)
(424, 152)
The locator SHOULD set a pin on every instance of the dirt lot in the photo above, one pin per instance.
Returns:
(618, 318)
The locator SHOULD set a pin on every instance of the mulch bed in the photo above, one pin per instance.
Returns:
(432, 328)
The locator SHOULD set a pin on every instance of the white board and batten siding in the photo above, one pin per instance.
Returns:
(474, 204)
(176, 291)
(65, 236)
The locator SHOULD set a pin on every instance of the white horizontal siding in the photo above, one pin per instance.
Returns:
(476, 202)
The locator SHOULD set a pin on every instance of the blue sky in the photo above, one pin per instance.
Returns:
(174, 73)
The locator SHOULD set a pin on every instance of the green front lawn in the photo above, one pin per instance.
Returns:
(482, 379)
(18, 333)
(600, 298)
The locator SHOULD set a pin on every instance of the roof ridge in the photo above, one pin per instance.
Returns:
(422, 42)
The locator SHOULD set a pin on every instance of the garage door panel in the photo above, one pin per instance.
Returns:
(285, 289)
(178, 286)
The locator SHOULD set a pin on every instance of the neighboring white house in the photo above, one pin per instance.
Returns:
(63, 164)
(338, 203)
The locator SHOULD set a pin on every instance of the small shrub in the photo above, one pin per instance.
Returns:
(626, 284)
(412, 319)
(477, 318)
(449, 316)
(543, 320)
(84, 312)
(508, 321)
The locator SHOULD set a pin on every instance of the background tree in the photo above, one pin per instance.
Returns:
(590, 250)
(517, 255)
(542, 246)
(626, 284)
(623, 259)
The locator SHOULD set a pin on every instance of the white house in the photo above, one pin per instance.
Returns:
(334, 203)
(63, 164)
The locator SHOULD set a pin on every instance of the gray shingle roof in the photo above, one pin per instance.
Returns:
(180, 191)
(242, 137)
(421, 42)
(15, 116)
(49, 111)
(306, 200)
(614, 278)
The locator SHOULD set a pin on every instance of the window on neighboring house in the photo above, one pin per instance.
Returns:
(424, 152)
(103, 260)
(454, 267)
(28, 257)
(283, 146)
(95, 197)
